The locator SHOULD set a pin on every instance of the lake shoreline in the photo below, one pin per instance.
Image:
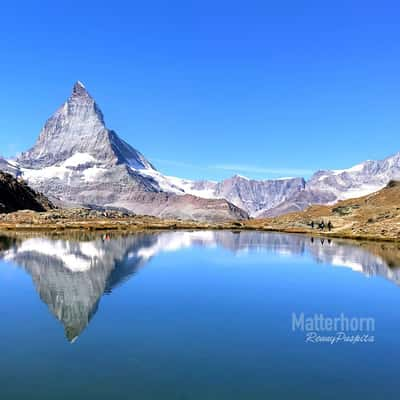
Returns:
(64, 221)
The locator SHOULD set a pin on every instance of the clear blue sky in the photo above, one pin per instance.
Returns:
(209, 88)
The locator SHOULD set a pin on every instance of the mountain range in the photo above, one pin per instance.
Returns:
(77, 160)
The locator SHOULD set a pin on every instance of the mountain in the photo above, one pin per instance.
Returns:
(359, 180)
(253, 196)
(77, 159)
(328, 187)
(76, 135)
(299, 201)
(375, 216)
(17, 195)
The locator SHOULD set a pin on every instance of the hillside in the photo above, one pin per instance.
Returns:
(16, 195)
(376, 215)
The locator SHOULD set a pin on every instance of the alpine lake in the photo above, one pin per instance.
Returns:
(190, 315)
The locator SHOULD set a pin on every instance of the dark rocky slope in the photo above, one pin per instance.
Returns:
(17, 195)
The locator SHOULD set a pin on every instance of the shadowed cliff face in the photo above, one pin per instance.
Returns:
(16, 195)
(71, 274)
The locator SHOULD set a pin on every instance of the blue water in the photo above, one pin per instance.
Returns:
(193, 315)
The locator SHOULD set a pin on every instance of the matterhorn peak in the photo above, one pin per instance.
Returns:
(80, 84)
(78, 127)
(79, 89)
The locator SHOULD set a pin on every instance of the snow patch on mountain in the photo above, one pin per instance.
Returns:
(358, 192)
(190, 187)
(35, 175)
(93, 174)
(164, 183)
(78, 159)
(70, 168)
(355, 168)
(176, 185)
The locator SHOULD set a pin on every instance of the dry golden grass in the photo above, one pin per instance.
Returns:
(89, 220)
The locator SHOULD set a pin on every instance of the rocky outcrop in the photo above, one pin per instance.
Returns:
(17, 195)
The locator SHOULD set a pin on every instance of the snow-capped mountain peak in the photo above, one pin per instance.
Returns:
(78, 127)
(328, 187)
(359, 180)
(77, 159)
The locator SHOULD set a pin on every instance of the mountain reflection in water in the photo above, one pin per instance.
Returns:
(71, 273)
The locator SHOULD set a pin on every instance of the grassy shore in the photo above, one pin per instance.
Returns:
(58, 221)
(90, 220)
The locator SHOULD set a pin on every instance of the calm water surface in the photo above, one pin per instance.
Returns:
(194, 315)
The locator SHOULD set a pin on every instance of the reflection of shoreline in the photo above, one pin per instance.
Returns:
(370, 258)
(71, 274)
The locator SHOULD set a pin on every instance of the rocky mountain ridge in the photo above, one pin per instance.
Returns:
(329, 187)
(268, 198)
